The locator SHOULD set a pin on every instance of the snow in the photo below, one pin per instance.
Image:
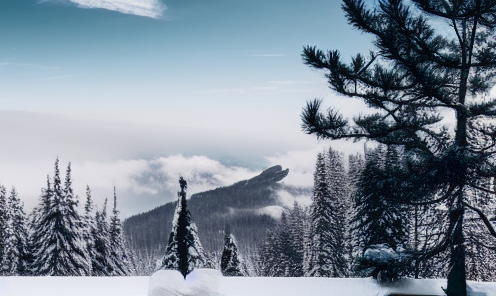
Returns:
(74, 286)
(207, 282)
(201, 282)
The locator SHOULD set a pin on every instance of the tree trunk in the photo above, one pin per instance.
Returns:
(457, 285)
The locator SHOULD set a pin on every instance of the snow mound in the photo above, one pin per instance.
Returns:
(204, 282)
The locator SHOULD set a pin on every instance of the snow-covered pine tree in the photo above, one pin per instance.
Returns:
(356, 164)
(231, 263)
(101, 263)
(338, 187)
(327, 251)
(3, 222)
(60, 249)
(14, 259)
(184, 251)
(380, 221)
(118, 252)
(297, 224)
(89, 229)
(269, 260)
(38, 226)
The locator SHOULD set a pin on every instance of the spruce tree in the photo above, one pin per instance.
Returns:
(60, 249)
(231, 263)
(432, 56)
(380, 220)
(14, 259)
(38, 227)
(356, 164)
(297, 222)
(3, 223)
(326, 255)
(118, 252)
(101, 261)
(338, 186)
(89, 229)
(184, 251)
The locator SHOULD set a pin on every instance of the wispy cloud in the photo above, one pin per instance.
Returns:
(146, 8)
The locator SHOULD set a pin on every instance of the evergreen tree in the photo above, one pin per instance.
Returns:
(89, 229)
(338, 187)
(14, 259)
(326, 255)
(421, 68)
(101, 261)
(297, 222)
(231, 263)
(184, 251)
(356, 164)
(380, 221)
(118, 252)
(60, 250)
(3, 223)
(38, 227)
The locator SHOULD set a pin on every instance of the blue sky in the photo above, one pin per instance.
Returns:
(127, 84)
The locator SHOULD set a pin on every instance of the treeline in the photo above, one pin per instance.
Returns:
(56, 239)
(361, 224)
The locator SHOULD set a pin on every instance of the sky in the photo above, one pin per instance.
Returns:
(134, 93)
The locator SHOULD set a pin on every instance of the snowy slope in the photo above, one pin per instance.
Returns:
(74, 286)
(211, 283)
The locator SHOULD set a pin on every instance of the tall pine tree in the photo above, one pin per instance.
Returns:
(60, 249)
(231, 263)
(432, 56)
(380, 220)
(184, 251)
(3, 223)
(327, 250)
(14, 261)
(118, 251)
(102, 265)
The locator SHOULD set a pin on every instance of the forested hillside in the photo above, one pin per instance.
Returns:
(249, 208)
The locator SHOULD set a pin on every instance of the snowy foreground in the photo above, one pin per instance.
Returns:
(211, 283)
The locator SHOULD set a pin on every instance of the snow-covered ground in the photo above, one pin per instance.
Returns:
(211, 283)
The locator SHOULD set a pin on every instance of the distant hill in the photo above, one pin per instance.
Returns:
(248, 207)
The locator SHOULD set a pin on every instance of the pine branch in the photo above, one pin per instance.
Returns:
(483, 217)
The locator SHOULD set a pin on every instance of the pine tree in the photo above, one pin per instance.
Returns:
(380, 221)
(101, 261)
(231, 263)
(89, 229)
(297, 222)
(38, 227)
(60, 249)
(15, 252)
(184, 251)
(356, 164)
(420, 69)
(3, 223)
(338, 186)
(326, 255)
(118, 252)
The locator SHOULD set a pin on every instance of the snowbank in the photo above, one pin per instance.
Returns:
(211, 283)
(74, 286)
(199, 282)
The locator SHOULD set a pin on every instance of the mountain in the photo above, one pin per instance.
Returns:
(248, 208)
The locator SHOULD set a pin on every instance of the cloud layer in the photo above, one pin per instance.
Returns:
(147, 8)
